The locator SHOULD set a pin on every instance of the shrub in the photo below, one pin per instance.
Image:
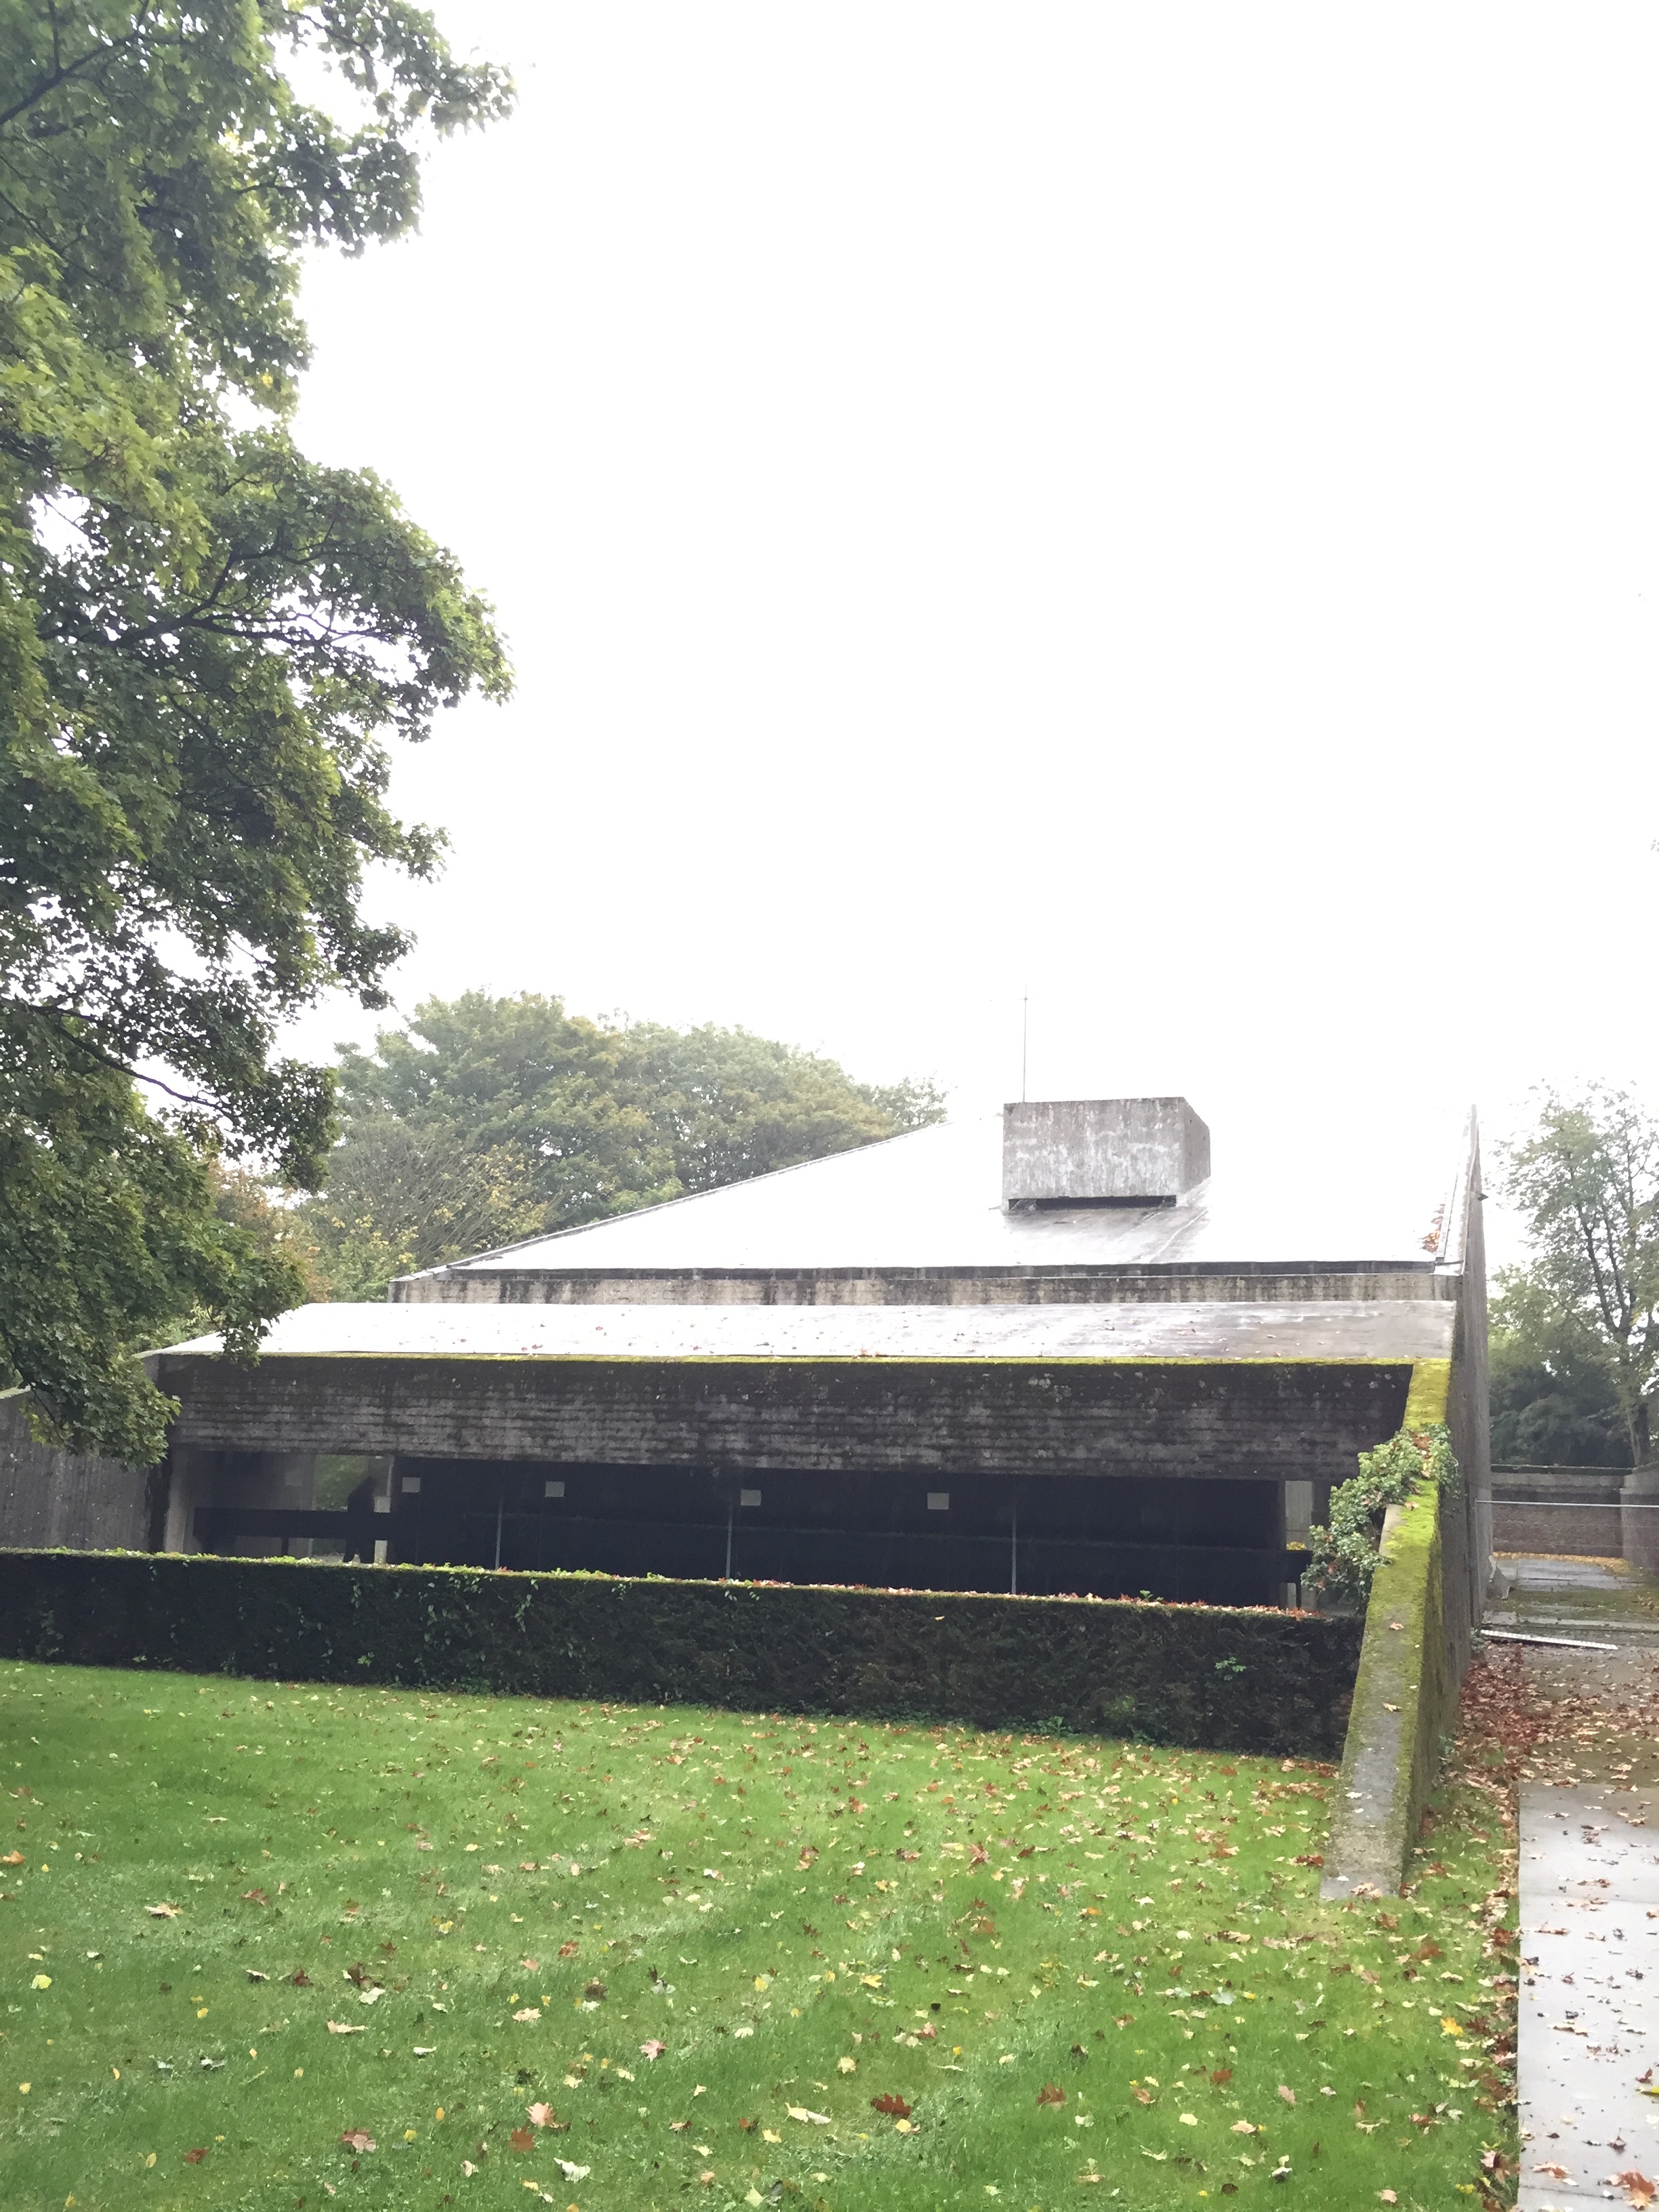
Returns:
(1345, 1553)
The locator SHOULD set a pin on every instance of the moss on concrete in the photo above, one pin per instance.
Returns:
(1401, 1708)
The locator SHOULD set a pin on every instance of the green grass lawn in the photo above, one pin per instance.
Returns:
(610, 1956)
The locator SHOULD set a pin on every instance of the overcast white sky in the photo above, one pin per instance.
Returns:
(1153, 506)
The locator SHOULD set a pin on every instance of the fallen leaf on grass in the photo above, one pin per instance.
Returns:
(195, 2157)
(12, 1858)
(653, 2050)
(301, 1979)
(894, 2107)
(1387, 2197)
(847, 2066)
(254, 1975)
(1245, 2128)
(254, 1897)
(541, 2116)
(358, 2139)
(1289, 2095)
(528, 2012)
(523, 2139)
(1051, 2093)
(339, 2028)
(573, 2173)
(800, 2112)
(164, 1912)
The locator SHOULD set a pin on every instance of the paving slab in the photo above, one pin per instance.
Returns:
(1588, 2017)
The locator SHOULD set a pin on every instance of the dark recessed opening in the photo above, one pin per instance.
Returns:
(1068, 1205)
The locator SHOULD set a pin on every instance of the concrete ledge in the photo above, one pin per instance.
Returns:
(1401, 1706)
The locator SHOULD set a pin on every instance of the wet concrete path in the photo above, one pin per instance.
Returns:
(1588, 2019)
(1588, 2022)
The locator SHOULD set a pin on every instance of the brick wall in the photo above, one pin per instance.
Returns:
(1573, 1510)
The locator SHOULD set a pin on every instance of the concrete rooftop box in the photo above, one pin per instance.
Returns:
(1101, 1151)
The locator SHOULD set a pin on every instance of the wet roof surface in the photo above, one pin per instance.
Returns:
(934, 1199)
(1392, 1330)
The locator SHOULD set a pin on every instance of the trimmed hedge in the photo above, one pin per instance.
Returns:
(1214, 1678)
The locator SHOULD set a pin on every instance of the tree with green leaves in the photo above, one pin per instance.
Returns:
(487, 1120)
(1581, 1318)
(206, 641)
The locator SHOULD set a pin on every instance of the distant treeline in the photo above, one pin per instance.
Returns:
(486, 1120)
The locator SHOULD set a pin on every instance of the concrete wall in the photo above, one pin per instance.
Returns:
(1232, 1420)
(1575, 1510)
(1123, 1150)
(1465, 1520)
(51, 1498)
(1178, 1283)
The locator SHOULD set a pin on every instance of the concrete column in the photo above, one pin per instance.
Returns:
(1641, 1528)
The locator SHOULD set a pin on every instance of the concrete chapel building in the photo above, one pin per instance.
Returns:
(1044, 1351)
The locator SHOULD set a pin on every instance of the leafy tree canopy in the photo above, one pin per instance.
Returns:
(490, 1119)
(205, 641)
(1575, 1333)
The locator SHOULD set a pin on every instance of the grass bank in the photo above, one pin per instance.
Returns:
(624, 1956)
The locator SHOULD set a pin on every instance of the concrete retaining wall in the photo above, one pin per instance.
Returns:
(1404, 1700)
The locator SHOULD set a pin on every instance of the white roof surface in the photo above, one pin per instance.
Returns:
(1396, 1329)
(934, 1199)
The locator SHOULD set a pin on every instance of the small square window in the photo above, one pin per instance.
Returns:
(553, 1490)
(939, 1501)
(412, 1485)
(748, 1497)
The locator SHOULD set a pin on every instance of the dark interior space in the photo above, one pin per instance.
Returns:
(1217, 1541)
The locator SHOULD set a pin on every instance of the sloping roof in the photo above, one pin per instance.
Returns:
(1348, 1331)
(934, 1199)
